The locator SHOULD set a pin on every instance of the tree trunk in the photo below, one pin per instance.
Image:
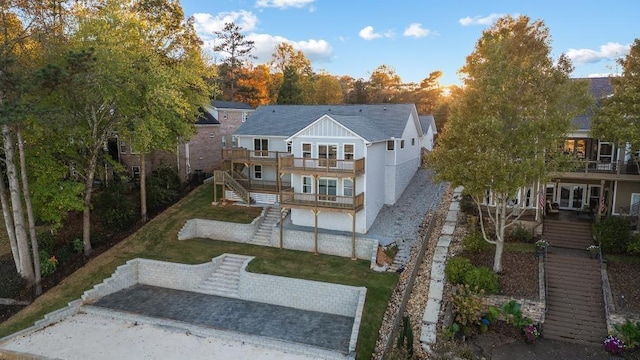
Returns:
(8, 222)
(501, 210)
(143, 189)
(86, 206)
(32, 223)
(16, 204)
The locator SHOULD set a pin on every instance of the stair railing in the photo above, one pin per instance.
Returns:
(236, 187)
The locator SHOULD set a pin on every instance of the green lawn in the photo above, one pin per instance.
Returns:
(158, 240)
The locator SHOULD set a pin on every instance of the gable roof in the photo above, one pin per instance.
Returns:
(206, 118)
(426, 122)
(236, 105)
(371, 122)
(600, 88)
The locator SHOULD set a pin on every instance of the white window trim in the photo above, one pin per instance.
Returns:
(344, 181)
(327, 195)
(344, 150)
(310, 184)
(256, 171)
(310, 149)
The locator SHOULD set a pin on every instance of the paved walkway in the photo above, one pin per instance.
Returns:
(300, 326)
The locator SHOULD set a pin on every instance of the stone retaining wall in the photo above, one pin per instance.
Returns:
(220, 230)
(328, 243)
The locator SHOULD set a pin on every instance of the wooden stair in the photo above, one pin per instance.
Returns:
(568, 234)
(575, 304)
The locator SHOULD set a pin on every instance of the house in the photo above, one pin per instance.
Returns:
(201, 154)
(605, 180)
(429, 130)
(334, 166)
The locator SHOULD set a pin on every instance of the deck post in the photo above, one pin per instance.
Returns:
(315, 232)
(353, 236)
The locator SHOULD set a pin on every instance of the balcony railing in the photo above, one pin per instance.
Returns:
(309, 165)
(291, 198)
(263, 185)
(614, 168)
(246, 155)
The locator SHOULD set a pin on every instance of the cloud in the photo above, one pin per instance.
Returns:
(368, 33)
(607, 51)
(416, 30)
(315, 50)
(206, 24)
(479, 20)
(283, 4)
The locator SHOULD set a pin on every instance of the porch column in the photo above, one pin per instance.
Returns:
(602, 205)
(315, 231)
(281, 231)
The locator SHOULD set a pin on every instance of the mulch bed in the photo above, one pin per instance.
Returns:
(625, 280)
(519, 277)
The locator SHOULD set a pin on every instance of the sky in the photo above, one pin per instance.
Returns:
(417, 37)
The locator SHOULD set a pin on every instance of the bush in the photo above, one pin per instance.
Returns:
(466, 306)
(163, 188)
(633, 247)
(475, 242)
(520, 234)
(613, 234)
(48, 264)
(482, 278)
(114, 207)
(456, 268)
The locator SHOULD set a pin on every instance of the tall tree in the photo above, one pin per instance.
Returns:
(506, 126)
(290, 92)
(618, 117)
(253, 86)
(236, 49)
(327, 90)
(384, 85)
(285, 61)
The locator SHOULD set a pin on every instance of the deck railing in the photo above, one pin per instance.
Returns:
(242, 154)
(352, 166)
(597, 167)
(289, 197)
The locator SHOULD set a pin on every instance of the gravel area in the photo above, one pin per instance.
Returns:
(401, 222)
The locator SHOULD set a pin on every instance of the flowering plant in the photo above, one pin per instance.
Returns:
(541, 244)
(613, 345)
(593, 248)
(531, 333)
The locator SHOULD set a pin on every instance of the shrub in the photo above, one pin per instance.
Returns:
(633, 247)
(482, 278)
(467, 205)
(115, 209)
(466, 306)
(456, 268)
(163, 188)
(48, 264)
(475, 242)
(629, 333)
(613, 234)
(520, 234)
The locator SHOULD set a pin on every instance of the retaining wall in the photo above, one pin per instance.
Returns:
(220, 230)
(328, 243)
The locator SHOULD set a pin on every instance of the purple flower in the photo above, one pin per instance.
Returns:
(613, 345)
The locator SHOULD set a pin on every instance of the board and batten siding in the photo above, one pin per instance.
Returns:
(374, 187)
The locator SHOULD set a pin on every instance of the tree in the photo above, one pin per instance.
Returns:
(290, 92)
(506, 126)
(327, 90)
(618, 117)
(384, 85)
(231, 42)
(253, 86)
(286, 62)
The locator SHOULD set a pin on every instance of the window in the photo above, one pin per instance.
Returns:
(261, 147)
(327, 153)
(289, 147)
(605, 152)
(348, 151)
(234, 141)
(306, 150)
(401, 144)
(212, 135)
(347, 187)
(413, 141)
(306, 185)
(390, 145)
(136, 172)
(257, 171)
(223, 140)
(327, 189)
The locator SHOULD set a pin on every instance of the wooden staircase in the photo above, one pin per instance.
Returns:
(575, 303)
(223, 177)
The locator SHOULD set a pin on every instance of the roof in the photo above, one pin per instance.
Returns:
(220, 104)
(206, 118)
(372, 122)
(600, 88)
(427, 121)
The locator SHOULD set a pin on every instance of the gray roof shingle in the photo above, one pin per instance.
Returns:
(372, 122)
(427, 121)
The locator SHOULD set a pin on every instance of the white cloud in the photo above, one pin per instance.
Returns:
(416, 30)
(206, 24)
(479, 20)
(313, 49)
(607, 51)
(283, 4)
(368, 33)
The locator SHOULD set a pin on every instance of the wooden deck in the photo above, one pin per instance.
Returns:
(575, 304)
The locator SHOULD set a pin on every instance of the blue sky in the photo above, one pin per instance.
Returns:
(416, 37)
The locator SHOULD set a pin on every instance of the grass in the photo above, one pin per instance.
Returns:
(158, 240)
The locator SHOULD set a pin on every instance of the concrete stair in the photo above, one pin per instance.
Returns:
(262, 237)
(225, 280)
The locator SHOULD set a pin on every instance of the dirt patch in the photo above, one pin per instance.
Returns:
(625, 282)
(519, 277)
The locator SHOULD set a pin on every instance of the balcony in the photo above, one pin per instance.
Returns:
(264, 186)
(607, 171)
(310, 166)
(318, 201)
(242, 155)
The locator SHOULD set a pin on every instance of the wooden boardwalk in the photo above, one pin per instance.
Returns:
(575, 304)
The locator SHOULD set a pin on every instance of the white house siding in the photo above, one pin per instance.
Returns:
(407, 160)
(329, 220)
(375, 186)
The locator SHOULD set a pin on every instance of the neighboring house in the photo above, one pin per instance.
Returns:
(429, 130)
(605, 174)
(334, 166)
(200, 155)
